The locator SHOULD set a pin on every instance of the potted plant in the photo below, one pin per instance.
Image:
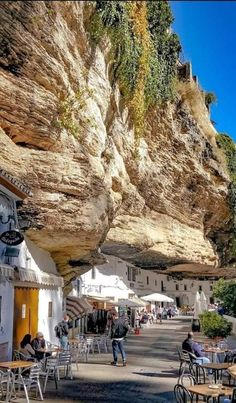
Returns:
(214, 325)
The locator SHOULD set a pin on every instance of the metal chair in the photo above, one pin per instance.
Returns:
(6, 384)
(17, 356)
(198, 372)
(49, 370)
(65, 362)
(30, 380)
(186, 359)
(182, 395)
(181, 359)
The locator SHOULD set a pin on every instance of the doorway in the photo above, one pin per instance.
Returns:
(177, 302)
(25, 314)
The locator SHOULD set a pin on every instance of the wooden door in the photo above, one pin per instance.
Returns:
(25, 314)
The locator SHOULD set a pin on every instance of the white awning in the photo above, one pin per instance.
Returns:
(127, 302)
(7, 272)
(40, 277)
(77, 307)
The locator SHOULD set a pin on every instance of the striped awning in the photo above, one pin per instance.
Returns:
(77, 307)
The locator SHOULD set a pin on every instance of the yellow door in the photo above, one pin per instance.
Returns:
(25, 314)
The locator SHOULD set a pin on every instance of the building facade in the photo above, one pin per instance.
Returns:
(30, 288)
(118, 279)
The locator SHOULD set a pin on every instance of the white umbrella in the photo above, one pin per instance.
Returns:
(157, 298)
(203, 302)
(197, 306)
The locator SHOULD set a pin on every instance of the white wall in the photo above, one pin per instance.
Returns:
(45, 324)
(111, 279)
(6, 325)
(108, 281)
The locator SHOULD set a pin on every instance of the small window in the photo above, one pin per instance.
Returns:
(129, 273)
(93, 274)
(185, 287)
(50, 309)
(155, 282)
(200, 288)
(147, 280)
(211, 287)
(177, 287)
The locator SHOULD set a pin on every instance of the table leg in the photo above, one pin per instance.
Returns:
(8, 392)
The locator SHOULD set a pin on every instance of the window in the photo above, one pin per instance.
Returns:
(177, 287)
(129, 273)
(155, 282)
(132, 272)
(50, 309)
(147, 280)
(185, 287)
(93, 274)
(163, 288)
(200, 288)
(211, 287)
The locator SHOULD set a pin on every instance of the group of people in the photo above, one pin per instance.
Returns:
(36, 348)
(33, 349)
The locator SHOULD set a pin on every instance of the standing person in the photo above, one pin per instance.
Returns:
(159, 313)
(119, 328)
(62, 330)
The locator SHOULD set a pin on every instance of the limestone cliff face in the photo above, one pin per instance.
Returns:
(67, 134)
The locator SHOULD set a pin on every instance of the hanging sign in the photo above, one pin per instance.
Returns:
(11, 237)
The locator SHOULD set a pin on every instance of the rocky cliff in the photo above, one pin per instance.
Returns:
(66, 133)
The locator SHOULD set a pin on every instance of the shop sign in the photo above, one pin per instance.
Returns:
(11, 237)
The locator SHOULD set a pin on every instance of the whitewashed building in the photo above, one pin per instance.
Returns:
(118, 279)
(30, 288)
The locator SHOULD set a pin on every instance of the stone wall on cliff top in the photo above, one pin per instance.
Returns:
(89, 188)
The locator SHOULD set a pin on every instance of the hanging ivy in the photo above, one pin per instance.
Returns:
(145, 52)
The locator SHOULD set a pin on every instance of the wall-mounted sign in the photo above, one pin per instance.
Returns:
(11, 237)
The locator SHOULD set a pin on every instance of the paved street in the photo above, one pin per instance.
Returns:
(150, 374)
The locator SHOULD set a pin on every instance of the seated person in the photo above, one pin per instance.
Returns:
(26, 349)
(193, 347)
(39, 345)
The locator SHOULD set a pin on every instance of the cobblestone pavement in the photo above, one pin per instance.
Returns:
(150, 375)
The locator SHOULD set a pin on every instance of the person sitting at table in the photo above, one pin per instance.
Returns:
(193, 347)
(39, 345)
(26, 348)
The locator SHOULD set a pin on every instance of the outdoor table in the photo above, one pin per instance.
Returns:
(206, 391)
(9, 366)
(217, 367)
(232, 371)
(214, 351)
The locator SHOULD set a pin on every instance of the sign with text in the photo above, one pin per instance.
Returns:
(11, 237)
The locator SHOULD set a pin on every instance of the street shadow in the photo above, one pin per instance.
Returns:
(156, 374)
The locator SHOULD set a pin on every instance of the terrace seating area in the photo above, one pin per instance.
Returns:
(24, 375)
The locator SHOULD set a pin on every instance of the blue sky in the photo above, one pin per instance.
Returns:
(207, 31)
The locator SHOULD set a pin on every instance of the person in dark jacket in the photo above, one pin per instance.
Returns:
(193, 347)
(119, 328)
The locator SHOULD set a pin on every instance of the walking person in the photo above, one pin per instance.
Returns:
(62, 330)
(119, 329)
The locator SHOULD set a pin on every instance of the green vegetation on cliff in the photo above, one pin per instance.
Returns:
(225, 142)
(144, 51)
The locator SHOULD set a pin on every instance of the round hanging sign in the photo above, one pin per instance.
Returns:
(11, 237)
